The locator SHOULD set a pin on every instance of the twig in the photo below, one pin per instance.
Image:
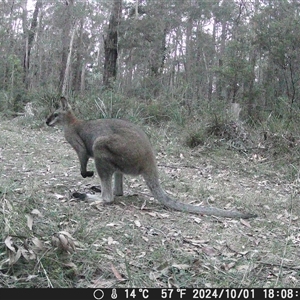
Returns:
(180, 166)
(39, 262)
(45, 272)
(296, 268)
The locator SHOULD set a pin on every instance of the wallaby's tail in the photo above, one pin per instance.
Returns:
(167, 201)
(162, 196)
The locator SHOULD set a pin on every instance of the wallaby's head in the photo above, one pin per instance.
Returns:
(60, 116)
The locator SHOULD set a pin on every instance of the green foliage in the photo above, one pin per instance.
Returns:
(12, 91)
(195, 136)
(107, 104)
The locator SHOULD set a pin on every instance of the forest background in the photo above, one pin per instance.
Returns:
(153, 60)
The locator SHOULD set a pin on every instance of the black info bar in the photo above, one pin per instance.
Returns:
(153, 293)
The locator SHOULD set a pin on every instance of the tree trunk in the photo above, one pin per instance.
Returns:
(66, 81)
(25, 36)
(111, 45)
(211, 73)
(220, 80)
(79, 59)
(252, 61)
(66, 29)
(29, 41)
(82, 78)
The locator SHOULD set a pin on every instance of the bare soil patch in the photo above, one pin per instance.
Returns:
(50, 240)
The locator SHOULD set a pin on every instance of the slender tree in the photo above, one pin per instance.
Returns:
(30, 34)
(111, 45)
(66, 42)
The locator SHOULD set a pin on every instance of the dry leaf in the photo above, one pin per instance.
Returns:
(116, 273)
(164, 215)
(66, 233)
(209, 251)
(242, 268)
(38, 243)
(14, 257)
(152, 214)
(70, 265)
(120, 253)
(145, 239)
(181, 266)
(111, 225)
(36, 212)
(137, 223)
(245, 223)
(28, 254)
(101, 283)
(111, 241)
(30, 277)
(144, 205)
(29, 221)
(58, 196)
(9, 244)
(154, 275)
(64, 241)
(196, 219)
(143, 254)
(229, 266)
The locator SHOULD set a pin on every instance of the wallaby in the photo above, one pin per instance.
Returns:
(119, 147)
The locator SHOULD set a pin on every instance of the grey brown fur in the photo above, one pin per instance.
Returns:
(120, 147)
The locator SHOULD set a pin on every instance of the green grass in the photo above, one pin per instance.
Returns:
(122, 245)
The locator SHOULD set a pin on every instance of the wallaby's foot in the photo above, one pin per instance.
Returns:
(87, 174)
(91, 198)
(118, 192)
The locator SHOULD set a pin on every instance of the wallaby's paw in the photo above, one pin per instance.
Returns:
(87, 174)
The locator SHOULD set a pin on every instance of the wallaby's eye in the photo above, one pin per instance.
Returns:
(55, 115)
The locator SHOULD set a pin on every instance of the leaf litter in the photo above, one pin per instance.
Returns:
(137, 242)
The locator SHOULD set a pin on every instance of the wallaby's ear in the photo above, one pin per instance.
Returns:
(64, 103)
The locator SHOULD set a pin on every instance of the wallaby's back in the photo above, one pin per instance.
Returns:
(120, 142)
(126, 132)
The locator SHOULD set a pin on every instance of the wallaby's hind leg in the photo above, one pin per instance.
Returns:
(106, 193)
(118, 186)
(106, 181)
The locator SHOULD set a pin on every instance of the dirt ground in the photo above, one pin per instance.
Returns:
(48, 239)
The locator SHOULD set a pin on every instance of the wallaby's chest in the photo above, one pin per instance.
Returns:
(81, 140)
